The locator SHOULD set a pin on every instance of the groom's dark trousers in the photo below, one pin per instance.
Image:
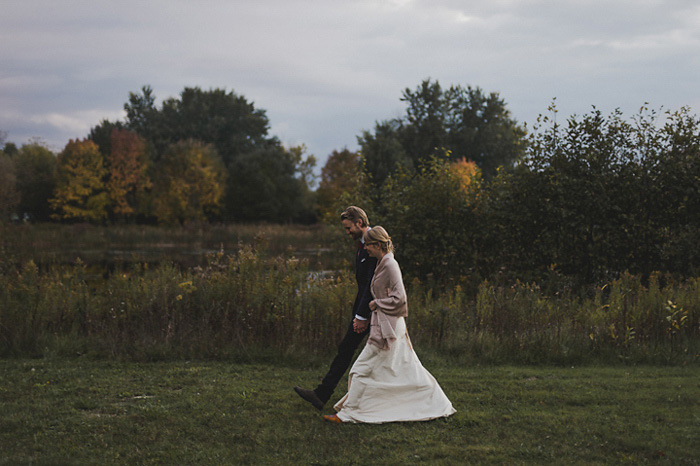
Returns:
(364, 271)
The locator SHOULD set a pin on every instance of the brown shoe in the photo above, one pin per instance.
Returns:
(311, 397)
(333, 418)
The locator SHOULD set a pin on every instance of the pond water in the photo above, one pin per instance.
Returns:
(106, 250)
(102, 263)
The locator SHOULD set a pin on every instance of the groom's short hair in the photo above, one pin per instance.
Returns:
(355, 214)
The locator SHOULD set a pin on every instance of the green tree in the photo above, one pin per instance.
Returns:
(462, 121)
(480, 128)
(265, 185)
(383, 152)
(9, 196)
(337, 177)
(80, 189)
(672, 184)
(9, 148)
(596, 197)
(143, 117)
(304, 172)
(102, 135)
(423, 130)
(431, 216)
(516, 228)
(189, 184)
(228, 122)
(224, 119)
(35, 166)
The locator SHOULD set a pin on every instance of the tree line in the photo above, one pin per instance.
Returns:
(467, 193)
(587, 201)
(205, 156)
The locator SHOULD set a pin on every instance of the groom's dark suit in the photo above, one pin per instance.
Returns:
(364, 271)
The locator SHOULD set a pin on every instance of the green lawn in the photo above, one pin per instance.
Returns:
(102, 412)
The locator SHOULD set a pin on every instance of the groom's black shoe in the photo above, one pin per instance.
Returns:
(310, 396)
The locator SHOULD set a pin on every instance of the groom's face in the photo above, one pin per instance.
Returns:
(352, 229)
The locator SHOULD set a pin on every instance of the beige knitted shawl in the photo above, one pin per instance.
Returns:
(390, 299)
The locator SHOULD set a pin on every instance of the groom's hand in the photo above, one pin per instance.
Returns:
(359, 326)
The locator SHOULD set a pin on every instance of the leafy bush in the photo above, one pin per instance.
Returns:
(596, 198)
(430, 215)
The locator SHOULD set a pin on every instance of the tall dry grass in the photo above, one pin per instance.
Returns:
(249, 304)
(623, 320)
(233, 305)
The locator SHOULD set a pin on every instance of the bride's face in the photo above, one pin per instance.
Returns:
(374, 249)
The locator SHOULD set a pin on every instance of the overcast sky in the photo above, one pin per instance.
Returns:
(324, 70)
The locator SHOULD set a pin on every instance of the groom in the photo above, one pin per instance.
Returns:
(355, 222)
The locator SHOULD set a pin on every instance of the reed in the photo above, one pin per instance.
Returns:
(231, 305)
(267, 298)
(247, 305)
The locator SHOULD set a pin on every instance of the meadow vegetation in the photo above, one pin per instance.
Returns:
(246, 304)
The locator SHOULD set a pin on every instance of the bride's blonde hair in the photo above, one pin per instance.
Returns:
(379, 235)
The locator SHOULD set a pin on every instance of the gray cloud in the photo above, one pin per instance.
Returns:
(325, 70)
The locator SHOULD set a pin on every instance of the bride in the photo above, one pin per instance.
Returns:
(387, 383)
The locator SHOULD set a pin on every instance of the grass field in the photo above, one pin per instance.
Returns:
(80, 411)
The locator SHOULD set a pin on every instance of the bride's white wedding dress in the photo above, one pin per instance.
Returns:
(391, 385)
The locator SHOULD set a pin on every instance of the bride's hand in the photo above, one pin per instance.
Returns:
(359, 326)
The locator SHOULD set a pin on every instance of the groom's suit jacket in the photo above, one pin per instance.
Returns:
(364, 271)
